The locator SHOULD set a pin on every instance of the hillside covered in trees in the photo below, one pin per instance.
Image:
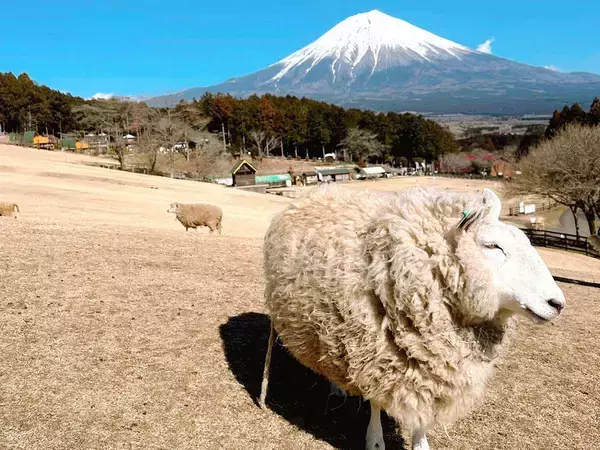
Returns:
(266, 125)
(560, 119)
(260, 125)
(27, 105)
(269, 124)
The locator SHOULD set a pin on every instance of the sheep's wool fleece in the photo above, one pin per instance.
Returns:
(199, 214)
(7, 209)
(382, 296)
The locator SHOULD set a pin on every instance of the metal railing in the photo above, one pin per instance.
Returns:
(563, 241)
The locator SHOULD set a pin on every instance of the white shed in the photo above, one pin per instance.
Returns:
(372, 172)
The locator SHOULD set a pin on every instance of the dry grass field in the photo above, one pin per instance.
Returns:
(119, 330)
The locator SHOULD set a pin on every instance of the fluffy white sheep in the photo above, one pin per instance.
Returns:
(7, 209)
(198, 215)
(406, 300)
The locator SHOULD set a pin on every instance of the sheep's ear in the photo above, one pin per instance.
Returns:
(492, 204)
(488, 210)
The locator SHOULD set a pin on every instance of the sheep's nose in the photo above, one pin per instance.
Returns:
(556, 304)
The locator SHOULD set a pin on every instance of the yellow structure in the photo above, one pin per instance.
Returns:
(81, 145)
(41, 140)
(45, 142)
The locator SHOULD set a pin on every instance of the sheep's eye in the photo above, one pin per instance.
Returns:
(493, 247)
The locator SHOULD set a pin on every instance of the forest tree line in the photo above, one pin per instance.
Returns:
(304, 127)
(262, 125)
(270, 125)
(27, 105)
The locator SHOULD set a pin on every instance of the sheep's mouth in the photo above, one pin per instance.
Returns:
(536, 317)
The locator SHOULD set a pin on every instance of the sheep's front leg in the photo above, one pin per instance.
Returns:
(374, 438)
(419, 441)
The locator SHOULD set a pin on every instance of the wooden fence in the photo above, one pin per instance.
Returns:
(563, 241)
(544, 206)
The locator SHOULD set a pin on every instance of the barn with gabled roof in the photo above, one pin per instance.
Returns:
(243, 174)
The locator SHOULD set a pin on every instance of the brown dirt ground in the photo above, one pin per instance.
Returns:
(119, 330)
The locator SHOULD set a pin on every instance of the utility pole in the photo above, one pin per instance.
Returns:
(281, 142)
(224, 141)
(187, 147)
(29, 113)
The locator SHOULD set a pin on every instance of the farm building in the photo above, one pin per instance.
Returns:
(28, 137)
(243, 174)
(274, 180)
(81, 145)
(33, 139)
(25, 138)
(67, 141)
(45, 142)
(394, 172)
(15, 138)
(98, 142)
(335, 174)
(309, 178)
(371, 172)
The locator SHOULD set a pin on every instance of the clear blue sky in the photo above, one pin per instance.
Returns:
(134, 47)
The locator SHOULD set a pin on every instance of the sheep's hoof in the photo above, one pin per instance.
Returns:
(375, 443)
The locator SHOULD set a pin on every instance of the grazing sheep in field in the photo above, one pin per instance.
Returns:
(7, 209)
(198, 215)
(407, 300)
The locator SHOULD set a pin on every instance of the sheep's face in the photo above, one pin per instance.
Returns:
(505, 262)
(174, 208)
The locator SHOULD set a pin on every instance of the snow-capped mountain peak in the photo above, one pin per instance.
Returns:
(375, 35)
(375, 61)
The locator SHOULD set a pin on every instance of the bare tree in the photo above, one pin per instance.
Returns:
(264, 142)
(271, 142)
(454, 163)
(118, 124)
(209, 156)
(360, 144)
(258, 138)
(119, 147)
(565, 169)
(161, 130)
(149, 146)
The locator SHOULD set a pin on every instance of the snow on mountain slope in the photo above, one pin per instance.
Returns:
(372, 60)
(375, 34)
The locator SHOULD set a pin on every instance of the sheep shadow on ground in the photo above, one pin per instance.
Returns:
(295, 392)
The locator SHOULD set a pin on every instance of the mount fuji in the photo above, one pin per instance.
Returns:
(372, 60)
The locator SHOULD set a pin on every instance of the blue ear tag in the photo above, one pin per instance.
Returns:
(466, 215)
